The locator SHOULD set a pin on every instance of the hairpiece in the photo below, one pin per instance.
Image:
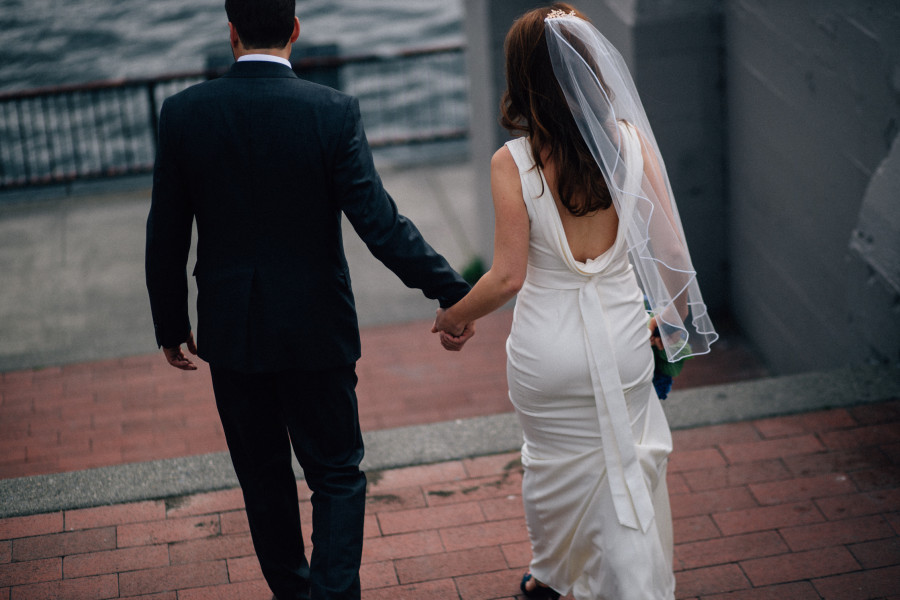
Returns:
(559, 14)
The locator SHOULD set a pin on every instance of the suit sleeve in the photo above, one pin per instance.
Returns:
(168, 241)
(392, 238)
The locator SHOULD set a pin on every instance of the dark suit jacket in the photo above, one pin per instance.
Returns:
(266, 163)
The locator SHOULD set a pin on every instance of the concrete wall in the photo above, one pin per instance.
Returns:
(486, 24)
(813, 98)
(677, 68)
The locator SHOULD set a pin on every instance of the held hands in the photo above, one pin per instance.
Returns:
(453, 335)
(176, 356)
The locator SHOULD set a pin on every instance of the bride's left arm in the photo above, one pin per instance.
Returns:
(511, 232)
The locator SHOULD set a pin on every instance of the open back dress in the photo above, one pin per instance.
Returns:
(596, 441)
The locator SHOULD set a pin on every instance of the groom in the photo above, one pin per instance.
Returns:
(266, 163)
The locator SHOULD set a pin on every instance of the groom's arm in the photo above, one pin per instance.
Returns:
(168, 242)
(392, 238)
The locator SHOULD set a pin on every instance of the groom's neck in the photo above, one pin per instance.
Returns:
(280, 52)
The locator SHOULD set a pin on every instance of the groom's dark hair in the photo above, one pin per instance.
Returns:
(262, 23)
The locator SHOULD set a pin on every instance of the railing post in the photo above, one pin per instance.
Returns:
(154, 114)
(24, 141)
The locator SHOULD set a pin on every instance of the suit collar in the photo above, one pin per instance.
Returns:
(258, 68)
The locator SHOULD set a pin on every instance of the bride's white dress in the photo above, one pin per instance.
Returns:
(596, 439)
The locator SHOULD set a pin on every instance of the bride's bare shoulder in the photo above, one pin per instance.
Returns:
(502, 155)
(503, 163)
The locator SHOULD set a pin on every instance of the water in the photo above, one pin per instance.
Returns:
(54, 42)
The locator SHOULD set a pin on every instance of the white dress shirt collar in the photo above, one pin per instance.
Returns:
(266, 58)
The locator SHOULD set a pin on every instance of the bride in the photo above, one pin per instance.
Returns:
(586, 231)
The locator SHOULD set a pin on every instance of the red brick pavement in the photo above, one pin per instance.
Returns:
(136, 409)
(798, 507)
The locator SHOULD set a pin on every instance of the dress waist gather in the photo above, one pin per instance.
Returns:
(564, 279)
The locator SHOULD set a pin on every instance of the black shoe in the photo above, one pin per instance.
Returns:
(540, 591)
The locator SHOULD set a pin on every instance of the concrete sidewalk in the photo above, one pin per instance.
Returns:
(73, 263)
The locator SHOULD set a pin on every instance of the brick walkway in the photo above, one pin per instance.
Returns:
(798, 507)
(139, 408)
(801, 507)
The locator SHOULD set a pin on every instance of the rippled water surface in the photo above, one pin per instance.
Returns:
(53, 42)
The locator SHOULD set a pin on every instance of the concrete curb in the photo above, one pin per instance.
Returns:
(776, 396)
(450, 440)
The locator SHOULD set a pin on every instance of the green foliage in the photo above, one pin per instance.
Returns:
(672, 369)
(473, 271)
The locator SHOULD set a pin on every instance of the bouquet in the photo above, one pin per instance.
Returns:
(664, 371)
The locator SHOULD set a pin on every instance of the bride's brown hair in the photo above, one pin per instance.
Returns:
(534, 104)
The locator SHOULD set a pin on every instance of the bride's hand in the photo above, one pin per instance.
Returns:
(453, 335)
(655, 337)
(455, 343)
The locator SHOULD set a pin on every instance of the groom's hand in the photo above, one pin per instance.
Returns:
(176, 356)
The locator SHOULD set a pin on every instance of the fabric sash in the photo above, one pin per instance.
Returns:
(631, 497)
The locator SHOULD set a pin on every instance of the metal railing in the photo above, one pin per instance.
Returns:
(66, 133)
